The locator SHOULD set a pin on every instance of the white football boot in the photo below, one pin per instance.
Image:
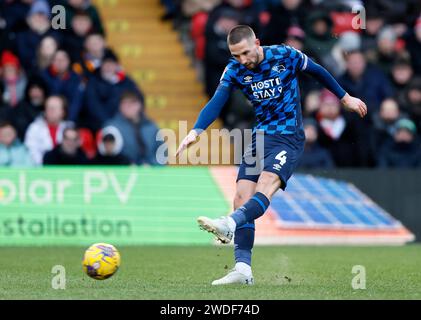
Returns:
(234, 277)
(223, 228)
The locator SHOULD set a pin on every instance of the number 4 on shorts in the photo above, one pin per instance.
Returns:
(281, 156)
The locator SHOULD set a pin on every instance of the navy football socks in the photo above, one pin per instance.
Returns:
(251, 210)
(243, 243)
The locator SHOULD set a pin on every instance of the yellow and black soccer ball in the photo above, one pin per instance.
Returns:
(101, 261)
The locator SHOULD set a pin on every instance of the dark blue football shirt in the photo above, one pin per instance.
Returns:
(272, 87)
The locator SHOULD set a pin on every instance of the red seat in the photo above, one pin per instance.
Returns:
(88, 144)
(197, 33)
(342, 21)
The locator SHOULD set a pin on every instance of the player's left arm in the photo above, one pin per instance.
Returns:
(324, 77)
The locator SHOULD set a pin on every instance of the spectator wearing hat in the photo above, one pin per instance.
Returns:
(314, 156)
(12, 152)
(27, 41)
(338, 133)
(46, 131)
(110, 145)
(104, 91)
(335, 62)
(404, 150)
(62, 80)
(68, 152)
(13, 78)
(295, 37)
(140, 143)
(386, 49)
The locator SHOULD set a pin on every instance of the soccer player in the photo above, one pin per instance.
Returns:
(267, 75)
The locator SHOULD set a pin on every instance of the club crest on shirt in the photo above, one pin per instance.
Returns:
(278, 68)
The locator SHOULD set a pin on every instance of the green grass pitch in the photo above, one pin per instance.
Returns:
(175, 272)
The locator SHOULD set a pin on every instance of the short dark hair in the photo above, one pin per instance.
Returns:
(239, 33)
(402, 61)
(131, 95)
(81, 13)
(110, 55)
(356, 51)
(94, 33)
(108, 138)
(71, 128)
(5, 123)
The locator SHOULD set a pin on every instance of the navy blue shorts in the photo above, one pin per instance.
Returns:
(275, 153)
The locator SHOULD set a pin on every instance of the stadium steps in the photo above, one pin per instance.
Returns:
(151, 52)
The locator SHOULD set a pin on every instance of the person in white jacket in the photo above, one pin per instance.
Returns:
(46, 131)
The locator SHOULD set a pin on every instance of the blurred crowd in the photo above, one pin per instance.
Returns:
(372, 47)
(64, 97)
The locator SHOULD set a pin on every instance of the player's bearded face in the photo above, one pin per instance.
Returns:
(246, 52)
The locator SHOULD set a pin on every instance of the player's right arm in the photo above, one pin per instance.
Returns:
(210, 111)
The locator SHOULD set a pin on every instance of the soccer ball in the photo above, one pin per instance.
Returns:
(101, 261)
